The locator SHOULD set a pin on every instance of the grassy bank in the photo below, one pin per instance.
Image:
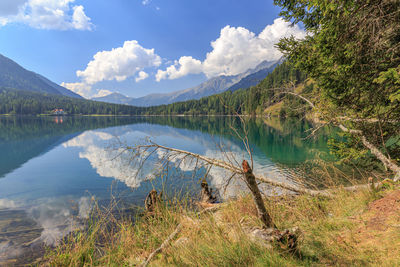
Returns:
(359, 229)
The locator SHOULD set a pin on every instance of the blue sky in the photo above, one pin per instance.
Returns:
(159, 46)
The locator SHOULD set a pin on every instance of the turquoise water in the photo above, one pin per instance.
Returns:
(51, 169)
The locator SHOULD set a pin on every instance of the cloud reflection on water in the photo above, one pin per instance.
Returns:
(54, 219)
(101, 149)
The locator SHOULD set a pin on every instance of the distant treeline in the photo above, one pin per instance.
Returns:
(13, 101)
(249, 101)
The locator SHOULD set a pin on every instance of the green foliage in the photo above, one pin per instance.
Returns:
(250, 101)
(13, 101)
(353, 55)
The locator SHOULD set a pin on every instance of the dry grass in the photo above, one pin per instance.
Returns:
(334, 232)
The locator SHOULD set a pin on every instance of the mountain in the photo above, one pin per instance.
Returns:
(212, 86)
(255, 77)
(13, 75)
(114, 98)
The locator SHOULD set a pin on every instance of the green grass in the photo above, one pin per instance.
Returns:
(329, 227)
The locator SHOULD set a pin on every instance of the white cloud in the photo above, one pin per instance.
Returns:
(82, 89)
(145, 2)
(141, 76)
(85, 90)
(236, 50)
(80, 20)
(119, 63)
(102, 92)
(45, 14)
(116, 64)
(183, 67)
(116, 163)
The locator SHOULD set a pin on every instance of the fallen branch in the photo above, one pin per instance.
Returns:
(167, 241)
(163, 245)
(234, 169)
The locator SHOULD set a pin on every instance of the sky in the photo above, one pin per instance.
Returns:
(139, 47)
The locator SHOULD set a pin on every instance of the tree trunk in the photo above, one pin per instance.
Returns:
(255, 191)
(152, 201)
(206, 193)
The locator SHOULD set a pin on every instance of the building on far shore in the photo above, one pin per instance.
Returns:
(58, 112)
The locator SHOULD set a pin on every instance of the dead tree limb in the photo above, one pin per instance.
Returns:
(167, 241)
(236, 170)
(262, 212)
(299, 96)
(263, 179)
(389, 164)
(375, 151)
(163, 245)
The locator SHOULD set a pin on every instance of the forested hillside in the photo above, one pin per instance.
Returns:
(13, 101)
(15, 76)
(249, 101)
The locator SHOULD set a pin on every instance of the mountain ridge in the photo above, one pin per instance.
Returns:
(212, 86)
(13, 75)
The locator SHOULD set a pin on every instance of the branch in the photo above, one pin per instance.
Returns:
(389, 164)
(300, 96)
(375, 151)
(163, 245)
(234, 169)
(167, 241)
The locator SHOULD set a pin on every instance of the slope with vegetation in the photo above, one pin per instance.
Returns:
(14, 76)
(353, 55)
(212, 86)
(13, 101)
(250, 101)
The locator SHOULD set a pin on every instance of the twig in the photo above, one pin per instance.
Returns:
(172, 236)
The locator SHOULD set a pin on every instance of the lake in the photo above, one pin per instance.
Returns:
(52, 169)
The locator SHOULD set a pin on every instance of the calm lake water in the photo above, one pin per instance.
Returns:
(53, 168)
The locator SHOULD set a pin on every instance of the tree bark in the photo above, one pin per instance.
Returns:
(375, 151)
(206, 193)
(255, 191)
(152, 201)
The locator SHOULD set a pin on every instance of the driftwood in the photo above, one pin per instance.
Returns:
(206, 193)
(269, 234)
(263, 215)
(287, 239)
(163, 245)
(152, 200)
